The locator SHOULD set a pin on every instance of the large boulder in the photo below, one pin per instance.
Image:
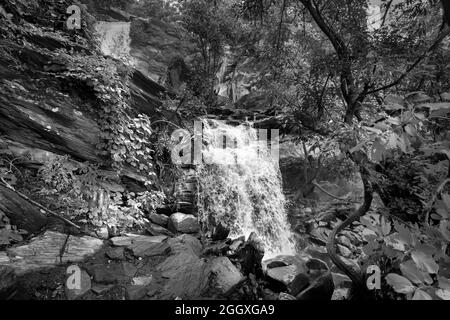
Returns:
(321, 284)
(143, 246)
(185, 273)
(191, 276)
(219, 232)
(157, 230)
(159, 219)
(54, 248)
(288, 278)
(7, 280)
(249, 254)
(84, 287)
(223, 277)
(150, 249)
(131, 240)
(184, 223)
(185, 243)
(112, 273)
(301, 276)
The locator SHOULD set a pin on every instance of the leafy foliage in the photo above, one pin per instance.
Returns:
(413, 257)
(80, 190)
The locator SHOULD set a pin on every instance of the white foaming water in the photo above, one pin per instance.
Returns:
(240, 186)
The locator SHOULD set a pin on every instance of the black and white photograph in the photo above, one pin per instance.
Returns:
(224, 157)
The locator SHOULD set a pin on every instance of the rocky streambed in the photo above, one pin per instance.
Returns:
(173, 263)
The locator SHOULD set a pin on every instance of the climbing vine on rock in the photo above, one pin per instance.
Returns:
(124, 140)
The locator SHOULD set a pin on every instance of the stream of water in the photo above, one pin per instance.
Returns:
(241, 186)
(240, 181)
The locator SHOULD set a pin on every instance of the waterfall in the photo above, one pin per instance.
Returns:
(240, 186)
(115, 39)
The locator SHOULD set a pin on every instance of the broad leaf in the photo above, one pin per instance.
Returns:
(425, 261)
(416, 276)
(443, 294)
(421, 295)
(400, 284)
(404, 234)
(393, 101)
(417, 97)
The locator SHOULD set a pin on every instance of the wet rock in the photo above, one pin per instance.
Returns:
(150, 249)
(301, 276)
(319, 252)
(286, 296)
(152, 289)
(103, 233)
(269, 294)
(7, 280)
(282, 261)
(190, 276)
(4, 257)
(133, 239)
(185, 273)
(341, 280)
(142, 281)
(100, 289)
(216, 249)
(236, 243)
(185, 243)
(184, 223)
(24, 258)
(320, 235)
(84, 286)
(112, 273)
(143, 246)
(115, 253)
(136, 292)
(222, 277)
(341, 294)
(129, 269)
(320, 289)
(219, 232)
(159, 219)
(250, 256)
(288, 278)
(321, 285)
(156, 230)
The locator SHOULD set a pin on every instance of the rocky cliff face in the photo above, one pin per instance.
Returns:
(148, 42)
(46, 103)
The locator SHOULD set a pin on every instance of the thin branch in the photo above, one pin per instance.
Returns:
(438, 40)
(388, 6)
(7, 185)
(336, 41)
(314, 183)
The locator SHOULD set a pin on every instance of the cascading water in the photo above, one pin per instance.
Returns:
(115, 39)
(240, 186)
